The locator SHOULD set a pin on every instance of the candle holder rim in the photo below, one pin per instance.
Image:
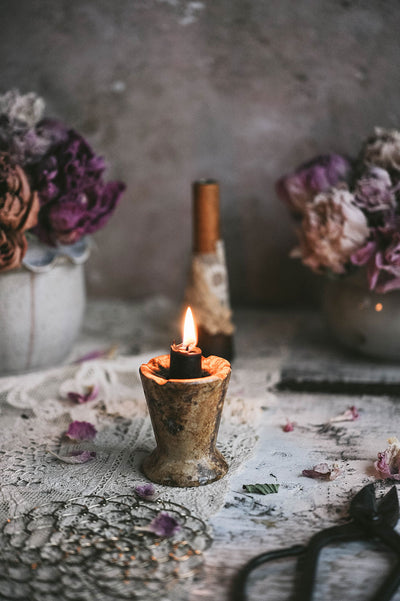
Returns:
(220, 368)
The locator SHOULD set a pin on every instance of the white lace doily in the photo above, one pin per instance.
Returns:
(35, 412)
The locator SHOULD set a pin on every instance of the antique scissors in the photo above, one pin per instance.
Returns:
(370, 519)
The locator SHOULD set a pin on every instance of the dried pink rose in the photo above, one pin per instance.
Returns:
(374, 191)
(75, 457)
(81, 431)
(349, 415)
(90, 394)
(146, 492)
(388, 464)
(164, 525)
(288, 427)
(333, 229)
(322, 471)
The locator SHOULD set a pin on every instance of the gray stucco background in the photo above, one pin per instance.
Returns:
(173, 90)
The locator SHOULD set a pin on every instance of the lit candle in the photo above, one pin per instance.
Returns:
(185, 358)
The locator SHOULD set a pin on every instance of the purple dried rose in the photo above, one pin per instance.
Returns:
(333, 228)
(374, 192)
(90, 394)
(164, 525)
(322, 471)
(388, 464)
(81, 431)
(381, 254)
(318, 175)
(74, 198)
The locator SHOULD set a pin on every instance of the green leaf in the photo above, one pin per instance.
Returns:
(261, 489)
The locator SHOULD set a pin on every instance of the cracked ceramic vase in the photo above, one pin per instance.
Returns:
(42, 306)
(363, 320)
(185, 415)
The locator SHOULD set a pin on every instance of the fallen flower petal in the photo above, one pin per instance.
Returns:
(388, 464)
(164, 525)
(146, 491)
(350, 415)
(75, 457)
(81, 431)
(322, 471)
(288, 427)
(105, 354)
(90, 395)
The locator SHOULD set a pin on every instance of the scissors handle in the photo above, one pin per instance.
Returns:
(308, 562)
(239, 592)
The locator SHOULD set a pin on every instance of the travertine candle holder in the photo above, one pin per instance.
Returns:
(185, 415)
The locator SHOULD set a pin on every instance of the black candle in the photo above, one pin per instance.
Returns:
(185, 358)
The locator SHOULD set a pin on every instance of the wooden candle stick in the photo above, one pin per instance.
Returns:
(185, 415)
(208, 290)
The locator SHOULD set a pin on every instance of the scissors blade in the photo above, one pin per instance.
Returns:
(364, 504)
(388, 507)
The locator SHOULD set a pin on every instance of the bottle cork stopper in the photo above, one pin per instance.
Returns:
(206, 223)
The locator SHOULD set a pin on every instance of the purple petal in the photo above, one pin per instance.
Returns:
(91, 394)
(104, 354)
(75, 457)
(322, 471)
(81, 431)
(164, 525)
(146, 491)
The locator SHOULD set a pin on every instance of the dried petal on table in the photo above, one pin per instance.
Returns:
(75, 457)
(81, 431)
(322, 471)
(90, 394)
(288, 427)
(164, 525)
(350, 415)
(388, 464)
(146, 491)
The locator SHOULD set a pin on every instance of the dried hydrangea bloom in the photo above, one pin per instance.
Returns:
(374, 191)
(381, 254)
(19, 136)
(333, 228)
(318, 175)
(388, 464)
(383, 150)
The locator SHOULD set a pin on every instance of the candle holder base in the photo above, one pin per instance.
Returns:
(185, 415)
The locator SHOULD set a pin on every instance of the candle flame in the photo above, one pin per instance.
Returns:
(189, 329)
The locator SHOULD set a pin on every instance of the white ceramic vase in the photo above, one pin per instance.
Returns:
(361, 319)
(41, 308)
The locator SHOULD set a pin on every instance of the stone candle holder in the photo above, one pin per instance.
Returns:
(185, 415)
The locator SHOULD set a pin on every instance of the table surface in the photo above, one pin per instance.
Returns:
(289, 369)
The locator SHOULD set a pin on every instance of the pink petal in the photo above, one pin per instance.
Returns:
(322, 471)
(288, 427)
(349, 415)
(81, 431)
(91, 394)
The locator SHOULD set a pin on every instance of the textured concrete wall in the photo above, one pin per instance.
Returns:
(173, 90)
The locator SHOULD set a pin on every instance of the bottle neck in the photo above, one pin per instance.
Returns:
(206, 216)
